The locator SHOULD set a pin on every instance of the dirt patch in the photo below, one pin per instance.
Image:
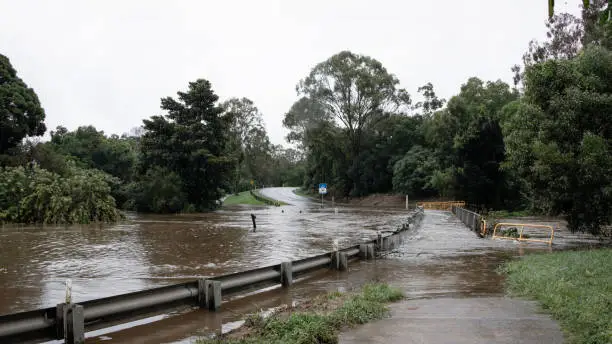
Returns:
(376, 200)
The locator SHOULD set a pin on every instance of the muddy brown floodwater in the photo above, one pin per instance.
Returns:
(154, 250)
(442, 258)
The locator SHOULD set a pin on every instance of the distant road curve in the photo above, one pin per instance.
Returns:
(285, 194)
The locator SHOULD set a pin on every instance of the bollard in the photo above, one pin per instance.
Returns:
(254, 224)
(363, 251)
(74, 324)
(379, 240)
(213, 294)
(286, 271)
(342, 261)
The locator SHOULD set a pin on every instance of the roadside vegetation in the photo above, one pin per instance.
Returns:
(541, 145)
(574, 286)
(317, 321)
(244, 197)
(505, 214)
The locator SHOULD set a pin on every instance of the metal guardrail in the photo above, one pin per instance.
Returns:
(522, 227)
(472, 220)
(70, 322)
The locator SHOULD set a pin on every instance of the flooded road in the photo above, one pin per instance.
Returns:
(442, 258)
(154, 250)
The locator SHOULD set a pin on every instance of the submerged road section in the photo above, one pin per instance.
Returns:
(155, 250)
(446, 271)
(454, 293)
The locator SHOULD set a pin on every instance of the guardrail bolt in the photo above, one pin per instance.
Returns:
(74, 324)
(213, 294)
(286, 274)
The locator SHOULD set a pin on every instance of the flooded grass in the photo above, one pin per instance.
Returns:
(242, 198)
(317, 321)
(575, 287)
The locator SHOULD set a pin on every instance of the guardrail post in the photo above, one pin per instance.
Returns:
(343, 261)
(371, 251)
(74, 324)
(385, 243)
(335, 260)
(286, 271)
(202, 293)
(213, 294)
(363, 251)
(59, 320)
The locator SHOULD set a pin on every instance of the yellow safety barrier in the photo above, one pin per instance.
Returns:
(483, 228)
(440, 205)
(522, 226)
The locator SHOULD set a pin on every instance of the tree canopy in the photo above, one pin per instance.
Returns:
(21, 114)
(190, 141)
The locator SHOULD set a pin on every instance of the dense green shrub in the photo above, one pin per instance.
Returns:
(157, 191)
(35, 195)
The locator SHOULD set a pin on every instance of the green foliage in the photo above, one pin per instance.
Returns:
(512, 232)
(347, 96)
(574, 286)
(504, 214)
(21, 114)
(90, 148)
(559, 140)
(413, 173)
(35, 195)
(157, 191)
(190, 141)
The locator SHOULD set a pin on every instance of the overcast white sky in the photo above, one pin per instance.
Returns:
(108, 63)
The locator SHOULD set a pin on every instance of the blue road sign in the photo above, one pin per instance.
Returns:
(322, 188)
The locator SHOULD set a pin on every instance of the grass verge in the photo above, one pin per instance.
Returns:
(302, 192)
(242, 198)
(504, 214)
(574, 286)
(318, 321)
